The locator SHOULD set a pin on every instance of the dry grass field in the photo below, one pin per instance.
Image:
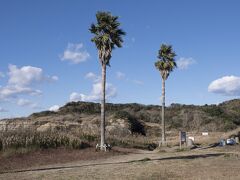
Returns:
(129, 158)
(209, 163)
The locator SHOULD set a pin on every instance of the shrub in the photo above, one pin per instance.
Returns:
(228, 125)
(122, 115)
(135, 126)
(132, 141)
(42, 140)
(145, 116)
(213, 111)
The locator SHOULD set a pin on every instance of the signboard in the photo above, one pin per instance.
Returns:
(183, 136)
(204, 133)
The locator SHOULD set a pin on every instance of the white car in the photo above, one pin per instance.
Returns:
(230, 141)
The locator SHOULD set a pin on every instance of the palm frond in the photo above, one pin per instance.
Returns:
(107, 33)
(166, 60)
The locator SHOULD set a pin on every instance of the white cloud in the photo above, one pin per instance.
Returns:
(138, 82)
(76, 97)
(75, 53)
(92, 77)
(21, 80)
(55, 78)
(2, 75)
(120, 75)
(184, 63)
(95, 94)
(13, 91)
(24, 76)
(227, 85)
(27, 75)
(111, 91)
(3, 110)
(27, 103)
(54, 108)
(23, 102)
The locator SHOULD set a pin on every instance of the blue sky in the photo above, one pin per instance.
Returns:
(47, 57)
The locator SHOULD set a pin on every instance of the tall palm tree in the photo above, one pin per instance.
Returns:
(107, 36)
(165, 64)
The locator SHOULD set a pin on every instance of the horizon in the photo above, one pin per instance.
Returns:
(48, 59)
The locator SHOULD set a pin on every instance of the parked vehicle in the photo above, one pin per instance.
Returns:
(230, 141)
(222, 142)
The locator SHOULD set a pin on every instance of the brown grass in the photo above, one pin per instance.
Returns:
(205, 164)
(42, 157)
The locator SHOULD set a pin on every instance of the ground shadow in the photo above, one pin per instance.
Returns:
(189, 157)
(109, 163)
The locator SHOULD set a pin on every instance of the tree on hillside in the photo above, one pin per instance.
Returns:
(165, 64)
(107, 36)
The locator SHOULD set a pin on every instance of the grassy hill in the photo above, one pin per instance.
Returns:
(76, 124)
(222, 117)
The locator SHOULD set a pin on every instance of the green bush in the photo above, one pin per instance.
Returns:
(213, 111)
(228, 125)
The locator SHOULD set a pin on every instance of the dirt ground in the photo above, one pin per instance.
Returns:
(51, 156)
(209, 163)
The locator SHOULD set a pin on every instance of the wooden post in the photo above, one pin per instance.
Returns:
(180, 139)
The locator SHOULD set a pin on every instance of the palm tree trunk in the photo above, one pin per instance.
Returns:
(103, 107)
(163, 113)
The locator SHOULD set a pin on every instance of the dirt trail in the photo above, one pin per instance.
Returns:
(132, 156)
(130, 166)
